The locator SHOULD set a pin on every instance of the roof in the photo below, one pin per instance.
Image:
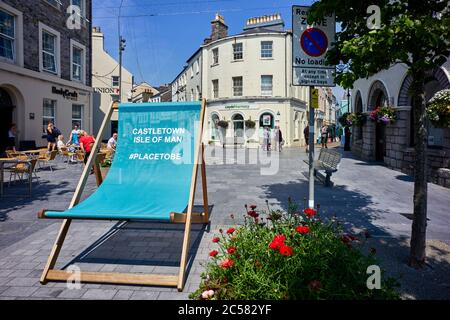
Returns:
(261, 30)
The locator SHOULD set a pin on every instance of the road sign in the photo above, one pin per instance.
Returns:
(315, 98)
(310, 45)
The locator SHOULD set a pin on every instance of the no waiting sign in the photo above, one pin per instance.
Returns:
(309, 47)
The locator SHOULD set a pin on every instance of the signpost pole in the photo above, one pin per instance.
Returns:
(311, 148)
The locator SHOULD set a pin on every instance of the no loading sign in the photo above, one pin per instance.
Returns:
(314, 42)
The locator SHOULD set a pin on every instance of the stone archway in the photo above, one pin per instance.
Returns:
(6, 117)
(378, 97)
(377, 91)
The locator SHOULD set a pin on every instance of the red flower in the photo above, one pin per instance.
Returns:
(231, 250)
(315, 286)
(253, 214)
(213, 253)
(310, 212)
(227, 263)
(277, 242)
(302, 229)
(231, 231)
(253, 207)
(286, 250)
(216, 239)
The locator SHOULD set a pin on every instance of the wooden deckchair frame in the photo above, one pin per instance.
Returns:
(50, 274)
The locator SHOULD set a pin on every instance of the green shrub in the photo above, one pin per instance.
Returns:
(277, 255)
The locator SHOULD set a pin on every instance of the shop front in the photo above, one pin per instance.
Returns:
(245, 122)
(31, 101)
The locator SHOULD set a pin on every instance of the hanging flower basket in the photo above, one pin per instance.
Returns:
(250, 124)
(438, 109)
(384, 115)
(223, 124)
(353, 119)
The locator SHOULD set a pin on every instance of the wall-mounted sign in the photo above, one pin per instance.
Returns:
(267, 120)
(107, 90)
(237, 107)
(32, 116)
(67, 94)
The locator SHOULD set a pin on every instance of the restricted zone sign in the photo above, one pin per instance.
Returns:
(310, 44)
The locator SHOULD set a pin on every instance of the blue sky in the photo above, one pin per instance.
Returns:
(162, 34)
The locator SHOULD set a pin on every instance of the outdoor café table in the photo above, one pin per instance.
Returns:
(4, 161)
(33, 153)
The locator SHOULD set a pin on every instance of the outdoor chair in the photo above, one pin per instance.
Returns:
(21, 169)
(66, 154)
(47, 159)
(147, 181)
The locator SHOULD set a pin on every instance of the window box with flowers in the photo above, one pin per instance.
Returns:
(384, 115)
(438, 109)
(294, 255)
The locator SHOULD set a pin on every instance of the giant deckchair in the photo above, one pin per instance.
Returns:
(153, 177)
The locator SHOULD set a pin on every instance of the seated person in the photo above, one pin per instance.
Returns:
(112, 142)
(60, 144)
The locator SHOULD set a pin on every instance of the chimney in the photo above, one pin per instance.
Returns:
(219, 28)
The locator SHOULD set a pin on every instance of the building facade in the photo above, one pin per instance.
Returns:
(106, 82)
(394, 143)
(247, 81)
(45, 67)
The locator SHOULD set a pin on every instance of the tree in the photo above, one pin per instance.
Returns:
(415, 33)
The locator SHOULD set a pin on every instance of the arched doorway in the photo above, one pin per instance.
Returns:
(378, 97)
(6, 118)
(238, 126)
(214, 127)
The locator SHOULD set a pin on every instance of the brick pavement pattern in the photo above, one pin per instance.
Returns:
(366, 196)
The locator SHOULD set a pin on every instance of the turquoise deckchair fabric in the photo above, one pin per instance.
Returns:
(152, 169)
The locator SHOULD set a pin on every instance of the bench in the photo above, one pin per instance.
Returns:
(329, 162)
(234, 142)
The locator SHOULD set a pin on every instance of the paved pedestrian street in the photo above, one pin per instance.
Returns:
(367, 198)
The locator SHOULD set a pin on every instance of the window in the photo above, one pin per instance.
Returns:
(55, 3)
(77, 115)
(266, 85)
(192, 71)
(237, 86)
(197, 66)
(115, 81)
(48, 114)
(215, 54)
(238, 53)
(77, 63)
(192, 95)
(266, 49)
(7, 35)
(82, 5)
(49, 52)
(215, 84)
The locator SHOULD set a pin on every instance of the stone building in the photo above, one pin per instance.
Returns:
(247, 81)
(45, 67)
(106, 81)
(393, 144)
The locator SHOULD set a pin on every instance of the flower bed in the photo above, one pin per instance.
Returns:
(438, 109)
(384, 115)
(293, 255)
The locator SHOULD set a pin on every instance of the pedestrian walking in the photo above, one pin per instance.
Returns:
(306, 135)
(52, 135)
(324, 136)
(266, 139)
